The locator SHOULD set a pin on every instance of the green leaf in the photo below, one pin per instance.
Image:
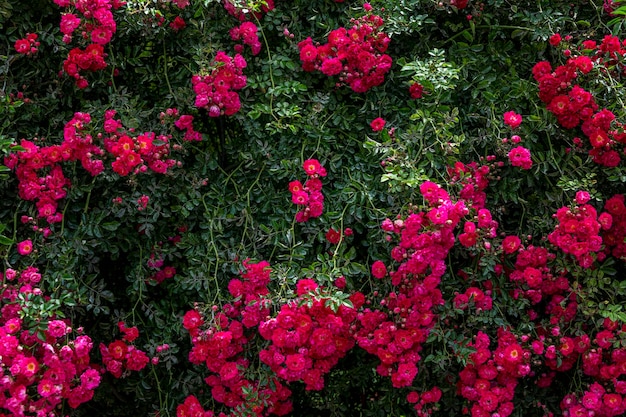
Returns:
(110, 226)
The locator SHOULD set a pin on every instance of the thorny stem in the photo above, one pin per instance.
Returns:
(269, 64)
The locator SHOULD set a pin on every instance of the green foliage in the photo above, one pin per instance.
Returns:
(227, 199)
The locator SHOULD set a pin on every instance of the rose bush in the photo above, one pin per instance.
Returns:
(455, 244)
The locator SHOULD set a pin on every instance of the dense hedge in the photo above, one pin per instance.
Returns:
(312, 208)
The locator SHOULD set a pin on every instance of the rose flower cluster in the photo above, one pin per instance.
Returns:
(41, 368)
(219, 339)
(573, 106)
(307, 341)
(96, 26)
(309, 195)
(356, 55)
(216, 92)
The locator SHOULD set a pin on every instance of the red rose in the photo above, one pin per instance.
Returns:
(378, 124)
